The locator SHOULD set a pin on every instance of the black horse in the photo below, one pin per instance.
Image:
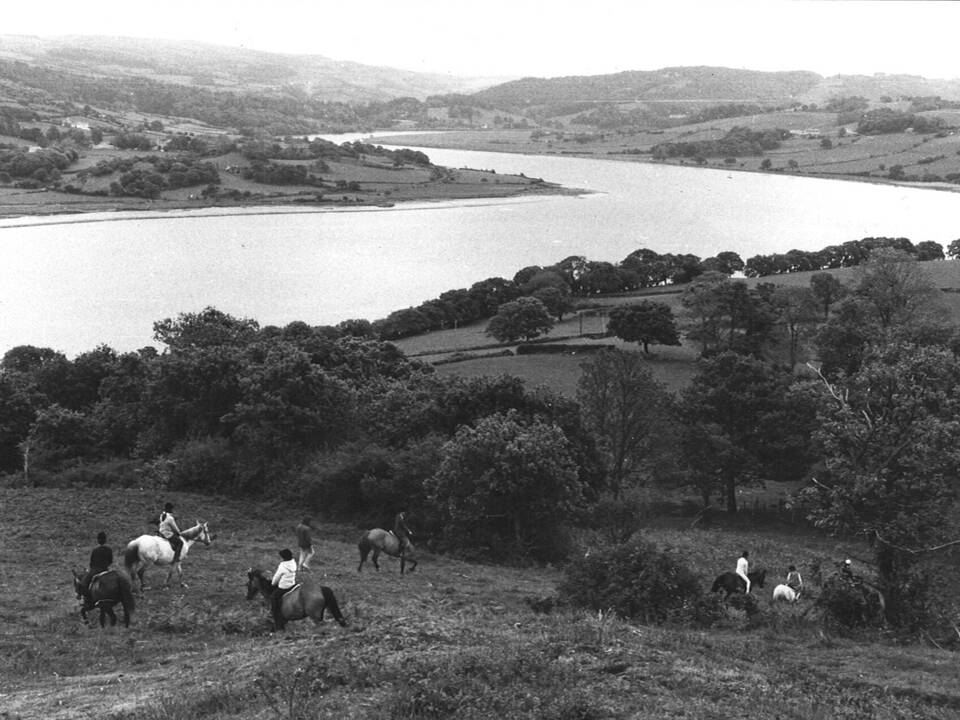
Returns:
(106, 590)
(731, 583)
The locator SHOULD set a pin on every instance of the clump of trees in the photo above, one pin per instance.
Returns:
(850, 254)
(738, 140)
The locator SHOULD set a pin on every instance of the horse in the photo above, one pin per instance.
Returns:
(149, 550)
(379, 541)
(305, 600)
(786, 593)
(106, 590)
(731, 583)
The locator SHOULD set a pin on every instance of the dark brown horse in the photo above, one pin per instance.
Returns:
(731, 583)
(106, 590)
(305, 600)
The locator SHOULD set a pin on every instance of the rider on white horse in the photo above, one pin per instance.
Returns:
(169, 531)
(794, 581)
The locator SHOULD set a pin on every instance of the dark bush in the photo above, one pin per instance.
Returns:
(850, 604)
(638, 581)
(203, 466)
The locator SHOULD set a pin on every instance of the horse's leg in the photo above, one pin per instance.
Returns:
(180, 576)
(140, 571)
(376, 554)
(413, 565)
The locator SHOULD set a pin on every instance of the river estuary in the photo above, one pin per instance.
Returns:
(74, 282)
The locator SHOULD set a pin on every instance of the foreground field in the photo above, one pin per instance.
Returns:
(454, 639)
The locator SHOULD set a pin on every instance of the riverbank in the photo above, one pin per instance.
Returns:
(862, 159)
(20, 203)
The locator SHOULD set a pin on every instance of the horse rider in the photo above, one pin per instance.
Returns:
(401, 530)
(846, 570)
(794, 581)
(743, 568)
(169, 531)
(283, 580)
(101, 558)
(305, 543)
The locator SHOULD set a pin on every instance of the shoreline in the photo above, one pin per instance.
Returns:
(54, 204)
(130, 208)
(467, 145)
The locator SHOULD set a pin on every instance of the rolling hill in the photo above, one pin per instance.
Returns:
(213, 67)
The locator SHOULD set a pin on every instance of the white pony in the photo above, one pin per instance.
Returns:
(786, 593)
(149, 550)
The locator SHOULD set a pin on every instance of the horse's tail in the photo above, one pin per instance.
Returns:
(330, 601)
(717, 584)
(131, 556)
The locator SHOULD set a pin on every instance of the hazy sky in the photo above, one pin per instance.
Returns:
(532, 37)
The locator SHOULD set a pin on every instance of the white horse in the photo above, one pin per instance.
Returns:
(149, 550)
(786, 593)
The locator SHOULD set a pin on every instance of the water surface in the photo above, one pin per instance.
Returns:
(71, 283)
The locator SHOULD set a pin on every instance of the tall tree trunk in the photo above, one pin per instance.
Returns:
(731, 495)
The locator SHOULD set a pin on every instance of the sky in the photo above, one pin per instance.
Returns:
(518, 38)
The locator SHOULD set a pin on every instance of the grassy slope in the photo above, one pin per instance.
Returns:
(454, 639)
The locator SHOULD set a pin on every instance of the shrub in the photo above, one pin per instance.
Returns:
(849, 604)
(203, 465)
(637, 581)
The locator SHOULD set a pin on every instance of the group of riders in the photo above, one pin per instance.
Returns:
(793, 580)
(284, 578)
(101, 557)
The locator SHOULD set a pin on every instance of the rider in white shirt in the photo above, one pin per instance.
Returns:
(168, 529)
(743, 567)
(283, 579)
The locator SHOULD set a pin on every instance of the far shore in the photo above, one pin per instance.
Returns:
(475, 141)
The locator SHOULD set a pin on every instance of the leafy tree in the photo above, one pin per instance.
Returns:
(797, 310)
(208, 328)
(725, 314)
(16, 416)
(895, 288)
(628, 411)
(58, 438)
(827, 289)
(556, 301)
(929, 250)
(645, 322)
(888, 434)
(953, 249)
(756, 426)
(506, 486)
(843, 340)
(525, 317)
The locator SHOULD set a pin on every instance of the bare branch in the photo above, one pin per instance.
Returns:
(913, 551)
(840, 398)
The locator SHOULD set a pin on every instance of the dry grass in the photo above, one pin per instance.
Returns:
(453, 639)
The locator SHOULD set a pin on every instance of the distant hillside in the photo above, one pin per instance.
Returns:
(668, 84)
(216, 67)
